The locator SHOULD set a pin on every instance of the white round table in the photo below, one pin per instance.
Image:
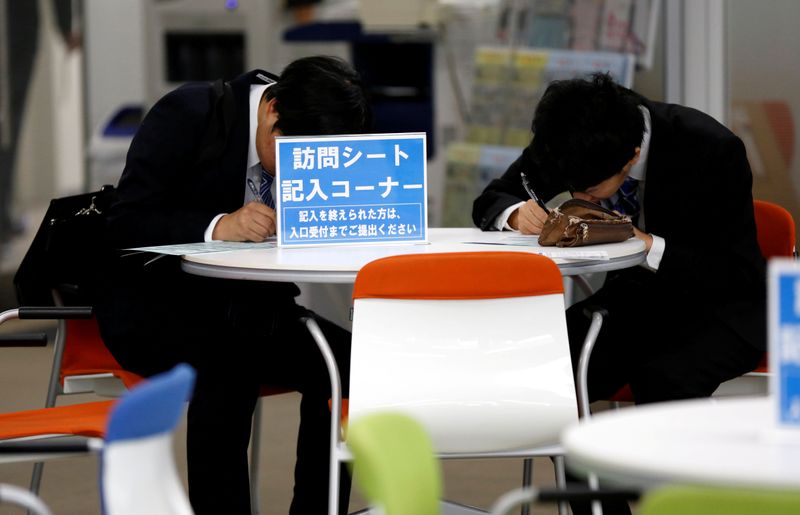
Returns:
(723, 442)
(340, 264)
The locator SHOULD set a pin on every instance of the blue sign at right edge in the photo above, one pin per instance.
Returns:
(784, 340)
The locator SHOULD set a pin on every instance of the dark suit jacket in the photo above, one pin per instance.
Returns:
(167, 197)
(698, 198)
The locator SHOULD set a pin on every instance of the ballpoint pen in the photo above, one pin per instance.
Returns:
(254, 190)
(531, 193)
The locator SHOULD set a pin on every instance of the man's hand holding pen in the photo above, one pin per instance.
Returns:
(530, 217)
(255, 221)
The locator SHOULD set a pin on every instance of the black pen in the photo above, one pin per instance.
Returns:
(531, 193)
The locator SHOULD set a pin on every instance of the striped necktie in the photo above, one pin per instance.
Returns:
(265, 189)
(625, 200)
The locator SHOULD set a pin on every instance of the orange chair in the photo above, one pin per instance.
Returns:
(56, 268)
(775, 230)
(84, 420)
(61, 262)
(86, 364)
(83, 364)
(776, 238)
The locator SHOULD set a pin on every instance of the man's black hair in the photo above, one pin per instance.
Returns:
(586, 130)
(320, 95)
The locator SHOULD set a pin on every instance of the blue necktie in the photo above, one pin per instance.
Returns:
(625, 200)
(265, 189)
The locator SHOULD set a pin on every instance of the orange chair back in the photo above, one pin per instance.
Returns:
(775, 229)
(417, 276)
(85, 353)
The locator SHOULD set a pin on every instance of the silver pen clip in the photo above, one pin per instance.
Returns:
(252, 185)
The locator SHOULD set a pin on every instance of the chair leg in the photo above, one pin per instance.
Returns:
(53, 387)
(36, 479)
(23, 498)
(561, 482)
(336, 411)
(594, 484)
(583, 363)
(255, 453)
(527, 481)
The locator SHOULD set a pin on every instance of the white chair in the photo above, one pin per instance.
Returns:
(138, 473)
(472, 345)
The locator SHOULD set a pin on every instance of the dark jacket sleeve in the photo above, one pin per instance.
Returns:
(507, 190)
(711, 243)
(156, 204)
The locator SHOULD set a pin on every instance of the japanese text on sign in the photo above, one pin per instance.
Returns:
(351, 189)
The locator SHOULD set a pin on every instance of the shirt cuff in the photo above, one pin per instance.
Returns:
(656, 253)
(501, 222)
(210, 230)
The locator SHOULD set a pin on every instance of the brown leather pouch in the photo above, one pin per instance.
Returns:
(576, 223)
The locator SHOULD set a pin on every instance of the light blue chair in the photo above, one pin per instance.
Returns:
(137, 469)
(138, 473)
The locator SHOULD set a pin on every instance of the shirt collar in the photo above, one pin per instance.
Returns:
(639, 170)
(256, 92)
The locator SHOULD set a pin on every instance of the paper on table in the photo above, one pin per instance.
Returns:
(531, 242)
(205, 247)
(597, 255)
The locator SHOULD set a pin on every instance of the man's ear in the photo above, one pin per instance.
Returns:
(272, 106)
(268, 113)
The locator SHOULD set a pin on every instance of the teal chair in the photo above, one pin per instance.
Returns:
(394, 464)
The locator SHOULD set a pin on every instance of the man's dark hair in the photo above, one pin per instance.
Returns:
(320, 95)
(586, 130)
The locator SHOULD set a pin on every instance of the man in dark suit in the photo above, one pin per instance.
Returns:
(189, 177)
(693, 315)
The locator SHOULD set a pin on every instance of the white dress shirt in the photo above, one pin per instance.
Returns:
(253, 162)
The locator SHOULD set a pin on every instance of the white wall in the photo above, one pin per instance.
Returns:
(115, 59)
(50, 158)
(764, 57)
(764, 50)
